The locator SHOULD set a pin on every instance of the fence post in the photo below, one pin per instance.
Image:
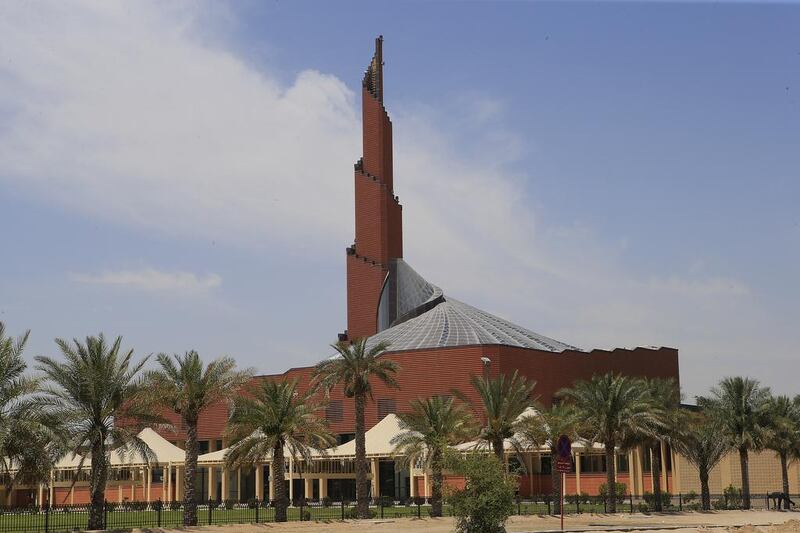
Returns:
(258, 504)
(631, 499)
(380, 502)
(577, 503)
(47, 517)
(105, 514)
(302, 504)
(210, 510)
(548, 508)
(419, 510)
(158, 511)
(680, 501)
(342, 508)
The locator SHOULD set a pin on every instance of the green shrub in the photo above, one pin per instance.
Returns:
(175, 505)
(689, 497)
(352, 514)
(643, 507)
(252, 503)
(487, 500)
(327, 502)
(229, 504)
(650, 500)
(620, 489)
(733, 497)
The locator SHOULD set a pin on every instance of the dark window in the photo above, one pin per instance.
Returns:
(516, 466)
(647, 465)
(622, 463)
(593, 463)
(334, 411)
(547, 465)
(386, 406)
(158, 474)
(341, 438)
(219, 445)
(202, 447)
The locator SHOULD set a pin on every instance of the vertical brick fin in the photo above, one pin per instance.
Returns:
(378, 216)
(364, 283)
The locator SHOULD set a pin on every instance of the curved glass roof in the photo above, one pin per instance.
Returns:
(439, 321)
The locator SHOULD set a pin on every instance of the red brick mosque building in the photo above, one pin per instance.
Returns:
(439, 342)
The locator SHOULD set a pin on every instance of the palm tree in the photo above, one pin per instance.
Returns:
(544, 428)
(429, 429)
(28, 438)
(784, 433)
(740, 405)
(273, 417)
(90, 392)
(187, 387)
(665, 398)
(613, 407)
(503, 400)
(353, 368)
(700, 443)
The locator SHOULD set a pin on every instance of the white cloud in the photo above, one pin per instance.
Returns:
(153, 280)
(123, 111)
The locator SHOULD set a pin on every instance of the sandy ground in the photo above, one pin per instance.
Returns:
(713, 522)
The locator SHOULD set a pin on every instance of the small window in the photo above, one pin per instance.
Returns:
(219, 444)
(158, 474)
(334, 411)
(342, 438)
(386, 406)
(202, 447)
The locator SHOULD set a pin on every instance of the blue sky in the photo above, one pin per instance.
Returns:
(608, 174)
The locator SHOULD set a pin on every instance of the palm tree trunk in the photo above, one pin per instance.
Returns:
(99, 477)
(705, 491)
(362, 483)
(555, 478)
(655, 471)
(744, 463)
(611, 476)
(497, 448)
(785, 478)
(279, 482)
(437, 482)
(189, 499)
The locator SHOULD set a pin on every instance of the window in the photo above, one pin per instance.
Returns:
(334, 411)
(386, 406)
(219, 444)
(622, 463)
(593, 464)
(547, 465)
(158, 474)
(515, 466)
(341, 438)
(202, 447)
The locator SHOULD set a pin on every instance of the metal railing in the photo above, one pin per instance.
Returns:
(128, 515)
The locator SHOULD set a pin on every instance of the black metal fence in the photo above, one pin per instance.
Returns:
(128, 515)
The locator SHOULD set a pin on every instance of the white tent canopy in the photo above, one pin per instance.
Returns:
(165, 452)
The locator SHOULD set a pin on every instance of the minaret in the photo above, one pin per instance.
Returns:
(379, 215)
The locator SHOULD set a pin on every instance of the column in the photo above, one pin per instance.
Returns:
(179, 483)
(133, 485)
(639, 471)
(652, 477)
(72, 495)
(51, 489)
(577, 473)
(664, 482)
(616, 468)
(412, 486)
(309, 488)
(375, 481)
(291, 479)
(239, 484)
(323, 487)
(212, 482)
(149, 483)
(224, 486)
(271, 482)
(119, 492)
(530, 473)
(427, 487)
(676, 472)
(40, 496)
(259, 481)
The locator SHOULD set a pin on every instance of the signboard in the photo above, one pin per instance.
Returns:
(564, 455)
